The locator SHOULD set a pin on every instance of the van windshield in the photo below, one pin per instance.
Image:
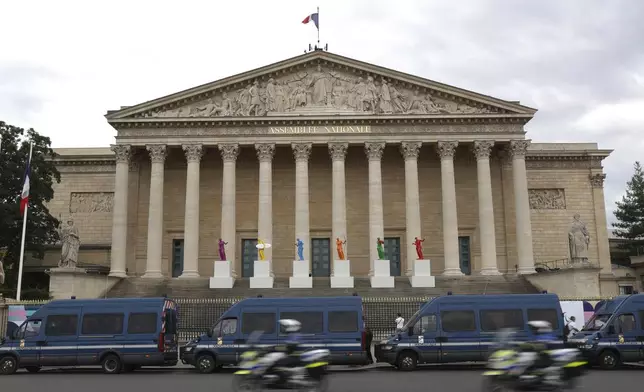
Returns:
(597, 322)
(412, 320)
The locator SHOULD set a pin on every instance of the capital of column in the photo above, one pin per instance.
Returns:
(193, 152)
(301, 151)
(229, 151)
(410, 150)
(446, 150)
(518, 148)
(483, 148)
(338, 151)
(123, 152)
(157, 152)
(374, 150)
(265, 151)
(597, 180)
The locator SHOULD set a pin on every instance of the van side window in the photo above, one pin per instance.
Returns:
(225, 327)
(140, 323)
(312, 322)
(252, 322)
(458, 321)
(549, 315)
(102, 324)
(343, 321)
(29, 329)
(425, 324)
(626, 323)
(61, 325)
(494, 320)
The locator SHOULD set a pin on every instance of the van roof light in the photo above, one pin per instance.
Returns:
(449, 293)
(73, 297)
(544, 292)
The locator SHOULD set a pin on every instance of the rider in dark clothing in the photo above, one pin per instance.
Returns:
(542, 332)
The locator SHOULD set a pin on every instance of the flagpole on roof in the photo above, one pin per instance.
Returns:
(24, 228)
(318, 26)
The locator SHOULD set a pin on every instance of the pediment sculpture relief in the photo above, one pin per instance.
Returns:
(319, 91)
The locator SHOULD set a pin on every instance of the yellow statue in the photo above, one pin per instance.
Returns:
(261, 245)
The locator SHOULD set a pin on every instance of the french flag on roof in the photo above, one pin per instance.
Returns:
(24, 196)
(315, 18)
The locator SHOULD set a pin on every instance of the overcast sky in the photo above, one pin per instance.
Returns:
(64, 63)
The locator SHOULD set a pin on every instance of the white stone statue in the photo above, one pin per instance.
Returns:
(578, 240)
(70, 241)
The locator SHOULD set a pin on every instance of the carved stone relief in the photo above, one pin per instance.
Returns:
(91, 202)
(547, 199)
(320, 89)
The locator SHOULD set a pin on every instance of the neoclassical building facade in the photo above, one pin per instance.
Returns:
(321, 147)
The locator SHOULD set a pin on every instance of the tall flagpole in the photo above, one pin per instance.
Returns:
(318, 26)
(24, 230)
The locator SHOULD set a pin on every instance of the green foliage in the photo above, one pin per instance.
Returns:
(630, 212)
(41, 226)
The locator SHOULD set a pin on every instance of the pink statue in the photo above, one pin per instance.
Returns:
(222, 250)
(419, 247)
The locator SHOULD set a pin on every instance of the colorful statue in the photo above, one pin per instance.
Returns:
(338, 246)
(419, 247)
(300, 249)
(261, 245)
(381, 248)
(222, 250)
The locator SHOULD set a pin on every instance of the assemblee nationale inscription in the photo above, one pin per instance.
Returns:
(322, 129)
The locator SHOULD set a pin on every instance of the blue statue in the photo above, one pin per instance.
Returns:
(300, 249)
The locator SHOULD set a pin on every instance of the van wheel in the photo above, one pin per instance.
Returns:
(206, 363)
(8, 365)
(407, 360)
(609, 360)
(111, 364)
(33, 369)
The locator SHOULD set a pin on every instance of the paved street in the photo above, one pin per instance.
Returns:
(458, 378)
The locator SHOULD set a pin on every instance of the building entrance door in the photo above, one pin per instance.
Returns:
(249, 255)
(321, 254)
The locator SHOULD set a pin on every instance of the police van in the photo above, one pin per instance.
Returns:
(117, 334)
(462, 328)
(335, 323)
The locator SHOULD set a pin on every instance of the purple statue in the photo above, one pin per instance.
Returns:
(222, 250)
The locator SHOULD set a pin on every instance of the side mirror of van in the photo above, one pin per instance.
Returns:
(209, 333)
(611, 330)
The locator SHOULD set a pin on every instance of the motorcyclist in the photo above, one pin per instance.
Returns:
(542, 334)
(290, 347)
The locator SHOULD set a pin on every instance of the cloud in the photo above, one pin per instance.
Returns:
(580, 62)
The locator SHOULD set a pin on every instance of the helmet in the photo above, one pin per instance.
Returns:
(290, 325)
(539, 327)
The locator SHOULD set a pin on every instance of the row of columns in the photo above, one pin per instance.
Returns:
(301, 151)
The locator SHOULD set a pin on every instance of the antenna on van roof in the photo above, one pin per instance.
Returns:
(449, 293)
(73, 297)
(544, 292)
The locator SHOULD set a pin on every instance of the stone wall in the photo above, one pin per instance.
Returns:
(570, 282)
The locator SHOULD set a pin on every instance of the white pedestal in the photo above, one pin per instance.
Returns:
(222, 278)
(262, 277)
(341, 274)
(422, 274)
(300, 278)
(382, 275)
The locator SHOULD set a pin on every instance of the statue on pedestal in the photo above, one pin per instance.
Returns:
(70, 241)
(222, 250)
(419, 247)
(380, 247)
(261, 246)
(578, 240)
(300, 249)
(340, 250)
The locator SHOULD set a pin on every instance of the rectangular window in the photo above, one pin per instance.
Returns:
(102, 324)
(61, 325)
(425, 324)
(458, 321)
(312, 322)
(225, 327)
(494, 320)
(625, 290)
(625, 323)
(549, 315)
(343, 321)
(264, 322)
(140, 323)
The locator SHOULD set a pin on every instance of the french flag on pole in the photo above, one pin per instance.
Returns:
(313, 18)
(24, 196)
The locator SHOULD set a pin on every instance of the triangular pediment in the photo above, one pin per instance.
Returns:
(320, 84)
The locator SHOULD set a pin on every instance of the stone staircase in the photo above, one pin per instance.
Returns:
(199, 288)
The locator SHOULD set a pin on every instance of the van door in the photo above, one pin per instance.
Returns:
(60, 344)
(459, 334)
(226, 342)
(344, 334)
(627, 333)
(29, 338)
(423, 337)
(258, 318)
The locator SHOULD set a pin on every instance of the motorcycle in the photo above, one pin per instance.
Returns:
(254, 374)
(508, 368)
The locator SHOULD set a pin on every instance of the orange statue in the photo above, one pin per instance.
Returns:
(338, 246)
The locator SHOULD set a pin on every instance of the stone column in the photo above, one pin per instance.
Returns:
(194, 152)
(487, 235)
(518, 149)
(338, 152)
(265, 153)
(601, 227)
(119, 214)
(155, 212)
(410, 151)
(374, 153)
(229, 153)
(446, 151)
(301, 152)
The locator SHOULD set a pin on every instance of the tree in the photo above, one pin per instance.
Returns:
(630, 212)
(41, 225)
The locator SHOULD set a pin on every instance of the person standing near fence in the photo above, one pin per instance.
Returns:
(400, 323)
(368, 338)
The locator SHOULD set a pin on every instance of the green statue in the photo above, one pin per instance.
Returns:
(381, 249)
